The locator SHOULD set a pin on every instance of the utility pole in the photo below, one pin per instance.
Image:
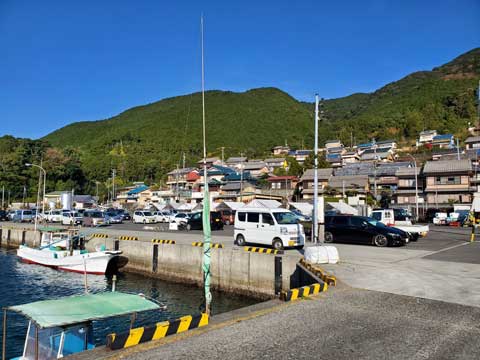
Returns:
(113, 185)
(375, 169)
(223, 154)
(458, 151)
(241, 176)
(3, 197)
(184, 159)
(315, 177)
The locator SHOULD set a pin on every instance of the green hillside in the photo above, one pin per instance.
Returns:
(145, 142)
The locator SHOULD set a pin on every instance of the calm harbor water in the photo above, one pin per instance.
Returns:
(23, 283)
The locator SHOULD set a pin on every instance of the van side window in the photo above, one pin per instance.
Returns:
(241, 216)
(267, 219)
(253, 217)
(377, 216)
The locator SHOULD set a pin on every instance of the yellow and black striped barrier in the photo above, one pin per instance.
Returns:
(322, 274)
(304, 291)
(133, 238)
(161, 241)
(160, 330)
(100, 235)
(262, 250)
(212, 245)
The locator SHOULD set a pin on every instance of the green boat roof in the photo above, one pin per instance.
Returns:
(52, 229)
(82, 308)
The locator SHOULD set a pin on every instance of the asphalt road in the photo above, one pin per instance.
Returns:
(340, 324)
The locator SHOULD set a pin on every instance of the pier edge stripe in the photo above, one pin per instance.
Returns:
(160, 330)
(294, 294)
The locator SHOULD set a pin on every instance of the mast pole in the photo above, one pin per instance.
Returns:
(315, 177)
(206, 199)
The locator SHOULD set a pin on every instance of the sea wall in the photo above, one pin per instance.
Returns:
(232, 269)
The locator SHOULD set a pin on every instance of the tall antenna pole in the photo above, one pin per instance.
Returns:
(206, 200)
(315, 177)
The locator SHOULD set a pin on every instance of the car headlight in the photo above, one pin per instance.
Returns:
(283, 230)
(394, 235)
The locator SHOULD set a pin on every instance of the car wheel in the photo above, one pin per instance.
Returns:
(240, 240)
(277, 244)
(380, 240)
(144, 221)
(328, 237)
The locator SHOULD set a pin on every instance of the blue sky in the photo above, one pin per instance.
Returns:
(66, 61)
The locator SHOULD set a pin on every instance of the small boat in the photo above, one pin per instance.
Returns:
(65, 250)
(63, 327)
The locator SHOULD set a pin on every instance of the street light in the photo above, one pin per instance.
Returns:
(44, 181)
(416, 185)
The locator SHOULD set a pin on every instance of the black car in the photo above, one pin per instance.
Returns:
(363, 230)
(3, 215)
(125, 215)
(195, 221)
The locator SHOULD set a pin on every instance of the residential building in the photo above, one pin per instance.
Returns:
(426, 137)
(448, 182)
(281, 150)
(237, 191)
(350, 157)
(130, 194)
(378, 154)
(330, 144)
(84, 201)
(445, 141)
(256, 169)
(307, 181)
(236, 162)
(300, 155)
(274, 163)
(472, 142)
(407, 187)
(177, 179)
(209, 162)
(335, 159)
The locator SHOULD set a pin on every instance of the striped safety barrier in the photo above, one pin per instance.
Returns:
(304, 291)
(212, 245)
(133, 238)
(161, 241)
(160, 330)
(322, 274)
(262, 250)
(100, 235)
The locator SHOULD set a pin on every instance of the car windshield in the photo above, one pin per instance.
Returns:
(285, 218)
(96, 214)
(147, 213)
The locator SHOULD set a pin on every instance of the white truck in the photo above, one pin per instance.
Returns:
(387, 216)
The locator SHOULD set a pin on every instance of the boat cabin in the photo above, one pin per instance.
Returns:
(62, 327)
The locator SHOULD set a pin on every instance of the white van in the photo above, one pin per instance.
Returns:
(144, 217)
(278, 228)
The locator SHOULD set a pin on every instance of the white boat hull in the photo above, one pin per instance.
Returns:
(92, 263)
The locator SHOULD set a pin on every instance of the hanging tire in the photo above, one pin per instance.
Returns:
(240, 240)
(277, 244)
(380, 240)
(328, 237)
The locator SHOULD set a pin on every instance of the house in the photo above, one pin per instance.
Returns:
(350, 157)
(274, 163)
(330, 144)
(209, 162)
(280, 150)
(472, 142)
(378, 154)
(390, 144)
(256, 169)
(237, 191)
(445, 141)
(335, 159)
(355, 183)
(407, 187)
(307, 181)
(300, 155)
(426, 137)
(448, 182)
(177, 179)
(84, 201)
(282, 182)
(236, 162)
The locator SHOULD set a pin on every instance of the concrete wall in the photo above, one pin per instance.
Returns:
(233, 269)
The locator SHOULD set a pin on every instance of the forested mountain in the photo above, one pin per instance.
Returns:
(145, 142)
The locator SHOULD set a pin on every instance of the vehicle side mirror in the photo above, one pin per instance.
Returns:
(364, 225)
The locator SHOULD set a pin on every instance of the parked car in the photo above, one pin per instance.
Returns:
(143, 217)
(10, 214)
(195, 221)
(3, 215)
(71, 218)
(159, 216)
(180, 219)
(272, 227)
(23, 216)
(362, 230)
(54, 216)
(300, 216)
(114, 217)
(94, 218)
(125, 215)
(228, 216)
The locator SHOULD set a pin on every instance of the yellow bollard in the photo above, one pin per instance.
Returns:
(472, 235)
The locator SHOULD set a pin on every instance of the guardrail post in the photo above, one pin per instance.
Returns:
(278, 275)
(116, 245)
(24, 232)
(9, 234)
(155, 258)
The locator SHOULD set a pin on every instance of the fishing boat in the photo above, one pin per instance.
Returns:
(65, 250)
(62, 327)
